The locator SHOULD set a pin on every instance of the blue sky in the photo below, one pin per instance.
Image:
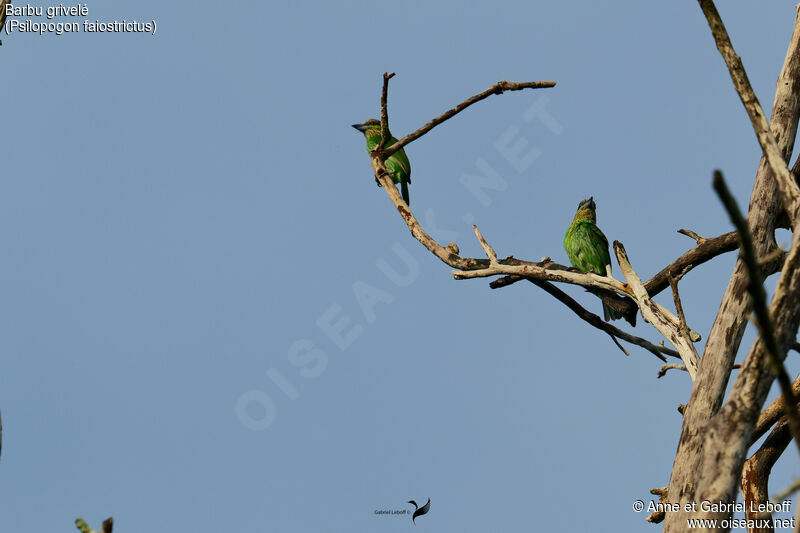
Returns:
(182, 213)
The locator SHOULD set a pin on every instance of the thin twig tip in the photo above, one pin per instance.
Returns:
(718, 180)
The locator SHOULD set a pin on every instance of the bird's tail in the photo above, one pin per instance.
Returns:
(404, 190)
(609, 312)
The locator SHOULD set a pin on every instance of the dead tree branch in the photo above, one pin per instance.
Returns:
(758, 296)
(490, 253)
(705, 250)
(591, 318)
(772, 413)
(728, 328)
(658, 516)
(664, 321)
(755, 476)
(672, 366)
(532, 270)
(689, 233)
(384, 112)
(728, 434)
(599, 323)
(498, 88)
(682, 326)
(775, 156)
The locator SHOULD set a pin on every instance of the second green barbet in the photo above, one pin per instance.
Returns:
(396, 164)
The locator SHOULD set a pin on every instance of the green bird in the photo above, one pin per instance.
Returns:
(587, 247)
(397, 164)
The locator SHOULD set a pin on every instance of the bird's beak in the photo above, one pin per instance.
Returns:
(591, 198)
(359, 127)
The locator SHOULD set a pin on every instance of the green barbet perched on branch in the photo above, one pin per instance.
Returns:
(397, 164)
(587, 247)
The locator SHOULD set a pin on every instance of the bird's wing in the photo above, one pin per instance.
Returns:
(426, 507)
(587, 247)
(401, 160)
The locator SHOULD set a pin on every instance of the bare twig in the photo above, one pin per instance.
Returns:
(613, 338)
(490, 253)
(658, 516)
(497, 88)
(689, 233)
(677, 366)
(758, 295)
(682, 327)
(671, 366)
(384, 111)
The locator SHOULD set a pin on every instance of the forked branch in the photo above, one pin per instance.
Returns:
(498, 88)
(664, 321)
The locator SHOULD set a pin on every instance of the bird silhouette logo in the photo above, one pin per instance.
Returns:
(419, 510)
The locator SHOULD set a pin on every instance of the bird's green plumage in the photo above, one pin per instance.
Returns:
(396, 164)
(587, 247)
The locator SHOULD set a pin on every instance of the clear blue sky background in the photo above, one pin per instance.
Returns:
(178, 211)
